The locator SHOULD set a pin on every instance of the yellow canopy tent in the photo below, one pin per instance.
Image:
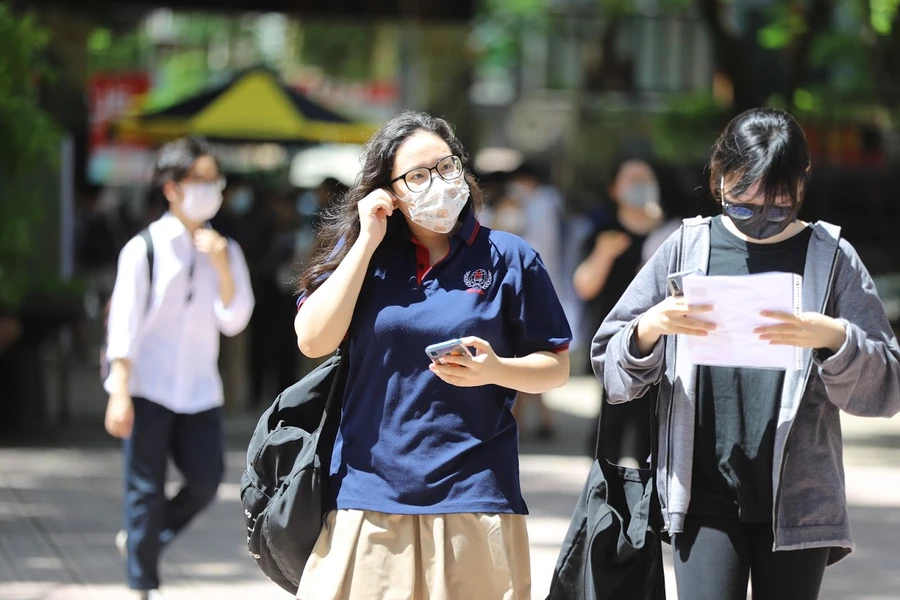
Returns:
(253, 107)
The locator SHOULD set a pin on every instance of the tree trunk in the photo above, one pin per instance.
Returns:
(612, 74)
(884, 54)
(818, 19)
(733, 58)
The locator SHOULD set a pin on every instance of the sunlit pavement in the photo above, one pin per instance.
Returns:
(60, 506)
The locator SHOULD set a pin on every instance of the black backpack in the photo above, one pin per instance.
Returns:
(144, 234)
(285, 487)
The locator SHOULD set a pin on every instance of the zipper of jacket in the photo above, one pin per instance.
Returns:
(669, 434)
(679, 267)
(787, 438)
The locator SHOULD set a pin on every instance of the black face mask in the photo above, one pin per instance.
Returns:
(754, 222)
(761, 229)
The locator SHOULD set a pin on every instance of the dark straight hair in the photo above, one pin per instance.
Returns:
(763, 145)
(175, 159)
(340, 227)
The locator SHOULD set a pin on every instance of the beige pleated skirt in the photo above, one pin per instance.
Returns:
(364, 555)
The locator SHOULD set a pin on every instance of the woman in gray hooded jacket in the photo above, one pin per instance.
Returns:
(750, 470)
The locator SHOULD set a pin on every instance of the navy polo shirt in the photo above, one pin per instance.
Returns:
(408, 442)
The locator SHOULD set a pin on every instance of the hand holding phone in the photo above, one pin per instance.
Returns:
(455, 347)
(675, 281)
(456, 365)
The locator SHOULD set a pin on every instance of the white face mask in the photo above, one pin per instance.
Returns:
(518, 191)
(201, 201)
(439, 207)
(510, 219)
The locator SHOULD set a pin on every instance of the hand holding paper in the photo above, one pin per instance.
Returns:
(739, 303)
(808, 330)
(672, 316)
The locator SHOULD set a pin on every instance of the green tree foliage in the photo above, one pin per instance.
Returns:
(28, 137)
(342, 49)
(834, 59)
(856, 43)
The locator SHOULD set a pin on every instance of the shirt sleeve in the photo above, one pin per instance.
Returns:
(537, 317)
(304, 295)
(232, 319)
(129, 302)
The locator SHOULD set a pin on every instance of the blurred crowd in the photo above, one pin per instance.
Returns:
(591, 255)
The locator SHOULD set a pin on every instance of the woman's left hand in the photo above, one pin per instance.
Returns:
(808, 330)
(465, 371)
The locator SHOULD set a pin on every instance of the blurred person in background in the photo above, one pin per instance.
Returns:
(96, 246)
(542, 217)
(312, 203)
(533, 209)
(505, 212)
(240, 219)
(330, 191)
(236, 219)
(165, 392)
(424, 490)
(615, 249)
(492, 185)
(313, 207)
(11, 330)
(274, 350)
(672, 201)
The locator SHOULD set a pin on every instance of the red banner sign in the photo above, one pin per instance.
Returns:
(113, 95)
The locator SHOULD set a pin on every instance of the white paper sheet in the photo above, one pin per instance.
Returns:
(737, 302)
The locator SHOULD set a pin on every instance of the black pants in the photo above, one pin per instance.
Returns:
(715, 557)
(195, 444)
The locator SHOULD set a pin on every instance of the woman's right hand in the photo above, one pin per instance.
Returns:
(119, 418)
(374, 211)
(672, 316)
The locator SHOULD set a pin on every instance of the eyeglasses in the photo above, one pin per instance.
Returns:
(419, 180)
(745, 212)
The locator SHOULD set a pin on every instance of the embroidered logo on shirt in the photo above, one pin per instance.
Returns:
(478, 281)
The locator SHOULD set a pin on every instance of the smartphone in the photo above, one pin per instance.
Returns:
(675, 283)
(436, 352)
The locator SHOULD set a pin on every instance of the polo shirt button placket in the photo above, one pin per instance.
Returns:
(422, 259)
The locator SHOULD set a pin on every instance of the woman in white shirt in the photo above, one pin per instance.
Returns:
(178, 286)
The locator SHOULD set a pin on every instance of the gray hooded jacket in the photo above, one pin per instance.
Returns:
(862, 378)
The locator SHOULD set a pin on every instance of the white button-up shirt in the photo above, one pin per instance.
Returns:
(174, 346)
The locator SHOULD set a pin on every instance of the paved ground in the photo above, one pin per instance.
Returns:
(60, 506)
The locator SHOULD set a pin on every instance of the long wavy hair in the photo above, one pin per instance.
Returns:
(340, 226)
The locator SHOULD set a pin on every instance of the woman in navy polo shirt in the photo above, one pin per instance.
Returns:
(425, 471)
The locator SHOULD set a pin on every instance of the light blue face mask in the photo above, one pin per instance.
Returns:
(242, 201)
(639, 195)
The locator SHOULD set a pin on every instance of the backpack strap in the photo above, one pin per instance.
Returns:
(148, 240)
(333, 404)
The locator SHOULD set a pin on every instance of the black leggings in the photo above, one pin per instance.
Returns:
(715, 557)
